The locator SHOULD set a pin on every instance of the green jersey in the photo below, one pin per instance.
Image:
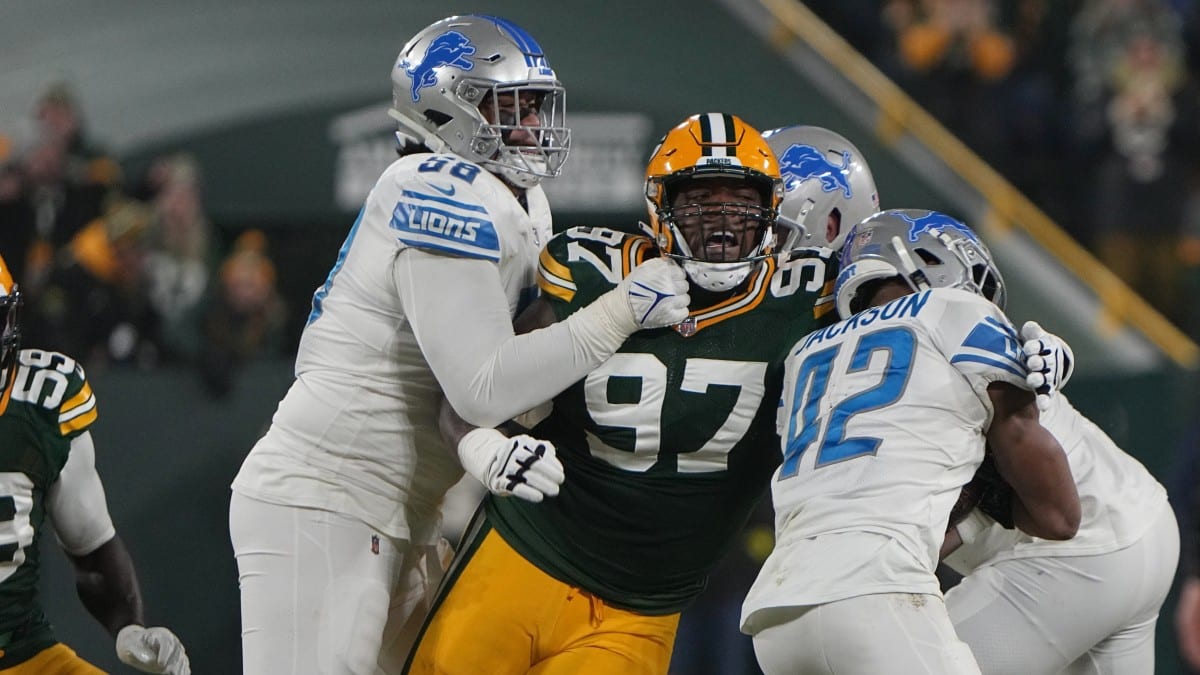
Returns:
(669, 445)
(49, 403)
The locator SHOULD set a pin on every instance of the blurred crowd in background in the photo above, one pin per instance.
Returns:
(121, 270)
(1091, 108)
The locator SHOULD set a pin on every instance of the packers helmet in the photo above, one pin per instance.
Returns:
(10, 327)
(707, 146)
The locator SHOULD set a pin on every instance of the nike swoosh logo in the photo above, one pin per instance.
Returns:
(449, 192)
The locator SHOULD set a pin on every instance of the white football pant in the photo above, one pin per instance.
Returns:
(1078, 615)
(870, 634)
(324, 594)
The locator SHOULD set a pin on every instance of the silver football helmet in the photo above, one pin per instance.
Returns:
(448, 70)
(926, 249)
(822, 173)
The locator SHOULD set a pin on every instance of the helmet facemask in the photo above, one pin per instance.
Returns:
(521, 152)
(713, 190)
(718, 243)
(10, 335)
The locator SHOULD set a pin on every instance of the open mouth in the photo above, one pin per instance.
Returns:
(720, 245)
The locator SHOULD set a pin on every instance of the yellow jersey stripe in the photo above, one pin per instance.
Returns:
(554, 278)
(80, 422)
(78, 399)
(554, 268)
(66, 415)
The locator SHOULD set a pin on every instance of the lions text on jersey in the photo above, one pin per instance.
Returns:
(361, 416)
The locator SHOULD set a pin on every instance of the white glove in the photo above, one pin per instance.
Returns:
(152, 650)
(1048, 359)
(522, 466)
(657, 293)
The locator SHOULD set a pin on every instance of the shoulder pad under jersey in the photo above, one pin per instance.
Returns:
(581, 263)
(450, 205)
(976, 336)
(56, 389)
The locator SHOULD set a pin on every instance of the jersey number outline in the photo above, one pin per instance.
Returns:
(16, 529)
(812, 382)
(459, 169)
(48, 382)
(644, 416)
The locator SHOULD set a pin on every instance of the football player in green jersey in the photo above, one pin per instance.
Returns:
(667, 447)
(47, 470)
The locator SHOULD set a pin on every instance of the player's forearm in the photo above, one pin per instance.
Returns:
(488, 373)
(1031, 460)
(1047, 502)
(524, 371)
(108, 587)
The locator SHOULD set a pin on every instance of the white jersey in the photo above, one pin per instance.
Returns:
(883, 420)
(357, 432)
(1119, 499)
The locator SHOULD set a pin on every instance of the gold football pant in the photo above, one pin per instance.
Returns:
(499, 614)
(56, 660)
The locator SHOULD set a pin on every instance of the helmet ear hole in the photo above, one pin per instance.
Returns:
(928, 257)
(437, 117)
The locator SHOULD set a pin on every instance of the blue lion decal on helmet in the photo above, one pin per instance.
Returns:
(935, 221)
(451, 48)
(801, 162)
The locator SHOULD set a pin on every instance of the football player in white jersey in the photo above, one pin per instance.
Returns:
(885, 417)
(1087, 605)
(335, 513)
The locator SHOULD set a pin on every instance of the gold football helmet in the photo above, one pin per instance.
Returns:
(718, 240)
(10, 327)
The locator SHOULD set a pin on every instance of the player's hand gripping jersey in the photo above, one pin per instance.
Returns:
(882, 423)
(49, 404)
(673, 434)
(347, 435)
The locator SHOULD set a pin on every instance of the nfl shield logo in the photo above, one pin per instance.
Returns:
(687, 328)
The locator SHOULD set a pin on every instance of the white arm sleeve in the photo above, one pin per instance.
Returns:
(459, 314)
(75, 502)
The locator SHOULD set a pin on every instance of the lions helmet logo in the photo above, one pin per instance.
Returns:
(802, 162)
(451, 48)
(933, 222)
